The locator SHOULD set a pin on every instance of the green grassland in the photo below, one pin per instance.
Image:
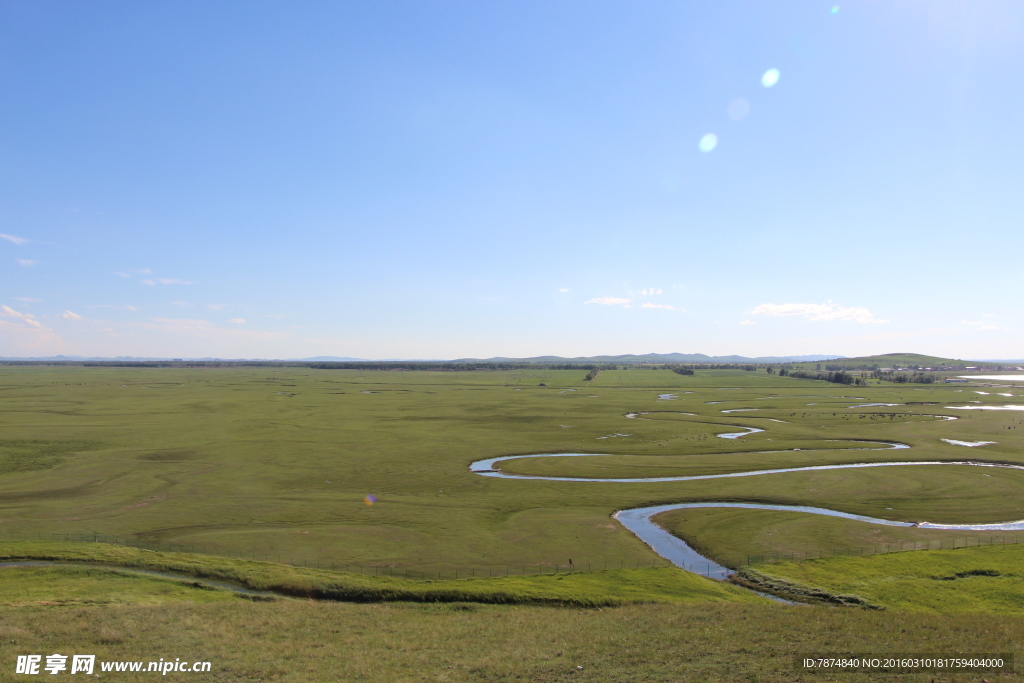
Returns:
(299, 641)
(61, 586)
(583, 589)
(975, 579)
(274, 464)
(277, 461)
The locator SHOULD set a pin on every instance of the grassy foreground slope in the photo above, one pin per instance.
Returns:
(984, 579)
(583, 589)
(298, 641)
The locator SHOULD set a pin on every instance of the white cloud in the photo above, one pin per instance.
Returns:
(608, 301)
(26, 262)
(665, 306)
(563, 290)
(21, 331)
(747, 322)
(237, 321)
(650, 292)
(26, 319)
(981, 325)
(216, 307)
(127, 307)
(154, 281)
(27, 299)
(820, 312)
(68, 315)
(14, 238)
(133, 271)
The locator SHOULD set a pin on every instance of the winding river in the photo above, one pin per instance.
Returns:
(677, 551)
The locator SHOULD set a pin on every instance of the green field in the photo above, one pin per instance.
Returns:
(273, 464)
(276, 462)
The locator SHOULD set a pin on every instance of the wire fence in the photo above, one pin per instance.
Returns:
(883, 549)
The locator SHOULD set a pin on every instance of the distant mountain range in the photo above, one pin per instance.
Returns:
(626, 358)
(652, 358)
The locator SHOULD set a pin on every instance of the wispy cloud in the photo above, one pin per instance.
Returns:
(68, 315)
(665, 306)
(981, 325)
(237, 321)
(563, 290)
(27, 299)
(27, 262)
(747, 322)
(117, 306)
(172, 281)
(216, 307)
(133, 271)
(24, 332)
(14, 238)
(26, 319)
(275, 315)
(650, 292)
(608, 301)
(820, 312)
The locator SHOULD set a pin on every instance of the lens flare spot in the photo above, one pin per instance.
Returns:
(370, 499)
(708, 142)
(770, 78)
(738, 109)
(835, 9)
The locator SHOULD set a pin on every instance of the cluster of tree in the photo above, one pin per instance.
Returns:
(591, 375)
(457, 367)
(711, 366)
(834, 377)
(905, 377)
(683, 371)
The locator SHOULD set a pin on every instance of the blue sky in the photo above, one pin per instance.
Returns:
(451, 179)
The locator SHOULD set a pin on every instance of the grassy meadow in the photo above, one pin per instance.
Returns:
(274, 464)
(277, 461)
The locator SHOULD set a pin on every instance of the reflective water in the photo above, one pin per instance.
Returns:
(969, 444)
(1013, 378)
(985, 407)
(677, 551)
(639, 520)
(736, 435)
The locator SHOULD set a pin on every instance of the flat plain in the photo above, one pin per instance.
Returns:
(275, 464)
(278, 461)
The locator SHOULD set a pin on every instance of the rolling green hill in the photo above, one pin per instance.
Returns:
(894, 361)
